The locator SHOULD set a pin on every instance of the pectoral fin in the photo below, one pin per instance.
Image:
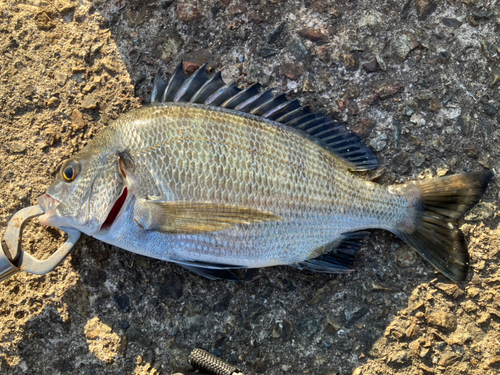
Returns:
(195, 217)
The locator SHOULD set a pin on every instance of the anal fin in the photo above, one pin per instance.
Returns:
(341, 258)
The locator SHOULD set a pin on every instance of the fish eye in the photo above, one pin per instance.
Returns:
(70, 171)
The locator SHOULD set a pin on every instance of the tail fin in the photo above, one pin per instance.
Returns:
(435, 235)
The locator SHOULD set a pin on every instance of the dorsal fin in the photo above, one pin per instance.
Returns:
(328, 132)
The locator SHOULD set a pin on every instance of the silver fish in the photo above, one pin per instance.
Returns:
(216, 178)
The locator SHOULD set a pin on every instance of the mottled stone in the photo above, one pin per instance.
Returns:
(167, 44)
(406, 257)
(297, 49)
(448, 358)
(425, 8)
(292, 71)
(378, 143)
(266, 52)
(451, 22)
(187, 12)
(275, 34)
(386, 88)
(402, 45)
(17, 147)
(481, 211)
(451, 290)
(43, 21)
(351, 61)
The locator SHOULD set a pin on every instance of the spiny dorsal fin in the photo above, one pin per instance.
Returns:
(328, 132)
(195, 217)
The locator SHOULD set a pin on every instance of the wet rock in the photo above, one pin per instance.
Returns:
(167, 44)
(318, 36)
(17, 147)
(351, 61)
(451, 22)
(122, 301)
(386, 88)
(379, 142)
(275, 34)
(481, 211)
(298, 49)
(292, 71)
(406, 257)
(187, 12)
(442, 320)
(77, 121)
(425, 8)
(371, 66)
(89, 102)
(125, 324)
(266, 52)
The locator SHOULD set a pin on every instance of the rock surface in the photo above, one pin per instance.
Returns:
(419, 81)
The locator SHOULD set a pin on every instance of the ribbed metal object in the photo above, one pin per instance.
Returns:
(204, 361)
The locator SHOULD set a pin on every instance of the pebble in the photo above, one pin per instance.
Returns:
(373, 19)
(442, 320)
(351, 61)
(297, 49)
(417, 119)
(308, 86)
(43, 21)
(53, 102)
(386, 88)
(448, 358)
(190, 67)
(379, 142)
(292, 71)
(318, 36)
(451, 290)
(61, 78)
(89, 102)
(77, 121)
(425, 8)
(274, 35)
(17, 147)
(266, 52)
(371, 66)
(187, 12)
(402, 45)
(451, 22)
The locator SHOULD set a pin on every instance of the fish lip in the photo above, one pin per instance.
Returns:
(49, 206)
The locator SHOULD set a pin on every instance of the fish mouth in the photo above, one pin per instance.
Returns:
(113, 214)
(49, 206)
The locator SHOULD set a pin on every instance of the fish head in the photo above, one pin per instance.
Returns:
(85, 193)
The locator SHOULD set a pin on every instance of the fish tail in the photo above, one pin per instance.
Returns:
(432, 230)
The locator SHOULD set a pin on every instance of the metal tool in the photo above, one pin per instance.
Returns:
(13, 259)
(205, 361)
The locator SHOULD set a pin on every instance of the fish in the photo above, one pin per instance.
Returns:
(217, 178)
